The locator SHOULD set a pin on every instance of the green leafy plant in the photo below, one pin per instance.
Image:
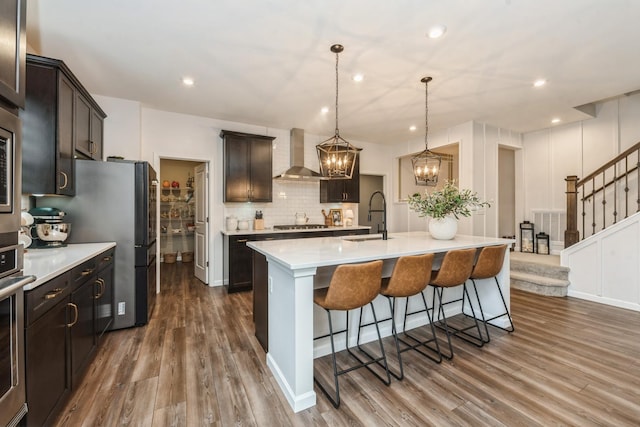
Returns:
(447, 201)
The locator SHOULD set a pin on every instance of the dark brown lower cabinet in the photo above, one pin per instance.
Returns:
(48, 382)
(104, 294)
(260, 279)
(261, 299)
(81, 328)
(64, 319)
(48, 378)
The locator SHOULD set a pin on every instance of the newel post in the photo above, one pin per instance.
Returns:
(571, 234)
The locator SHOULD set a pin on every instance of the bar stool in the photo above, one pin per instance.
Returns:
(409, 277)
(454, 271)
(352, 286)
(488, 266)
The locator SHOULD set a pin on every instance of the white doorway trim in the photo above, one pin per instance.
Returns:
(156, 165)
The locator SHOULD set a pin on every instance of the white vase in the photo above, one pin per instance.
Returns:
(443, 228)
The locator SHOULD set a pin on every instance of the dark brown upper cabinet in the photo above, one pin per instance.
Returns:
(60, 122)
(13, 48)
(247, 167)
(342, 190)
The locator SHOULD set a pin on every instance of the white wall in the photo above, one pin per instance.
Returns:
(542, 159)
(575, 149)
(122, 133)
(136, 132)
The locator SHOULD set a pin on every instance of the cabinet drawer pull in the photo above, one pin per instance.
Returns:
(242, 240)
(99, 282)
(66, 181)
(86, 272)
(107, 258)
(52, 294)
(270, 238)
(75, 308)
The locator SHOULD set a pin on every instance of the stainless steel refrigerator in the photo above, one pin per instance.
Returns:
(116, 201)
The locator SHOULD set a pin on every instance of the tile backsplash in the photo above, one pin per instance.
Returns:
(289, 198)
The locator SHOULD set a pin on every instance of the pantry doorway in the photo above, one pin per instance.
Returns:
(183, 215)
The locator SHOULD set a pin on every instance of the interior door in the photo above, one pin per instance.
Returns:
(201, 235)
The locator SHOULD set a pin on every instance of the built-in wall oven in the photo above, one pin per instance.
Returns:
(12, 386)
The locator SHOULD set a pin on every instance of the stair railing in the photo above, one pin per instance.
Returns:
(603, 196)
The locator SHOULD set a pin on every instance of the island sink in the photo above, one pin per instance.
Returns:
(365, 237)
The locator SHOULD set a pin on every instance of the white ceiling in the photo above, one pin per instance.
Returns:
(267, 62)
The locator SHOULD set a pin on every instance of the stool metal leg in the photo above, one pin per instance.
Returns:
(334, 401)
(511, 328)
(461, 333)
(381, 360)
(418, 343)
(439, 291)
(336, 373)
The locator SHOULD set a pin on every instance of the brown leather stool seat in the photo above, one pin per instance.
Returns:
(488, 266)
(352, 286)
(454, 271)
(410, 277)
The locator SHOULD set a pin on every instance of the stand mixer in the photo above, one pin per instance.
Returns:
(48, 229)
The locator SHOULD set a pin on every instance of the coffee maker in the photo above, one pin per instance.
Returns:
(49, 229)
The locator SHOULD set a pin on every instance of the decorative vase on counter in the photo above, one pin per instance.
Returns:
(443, 228)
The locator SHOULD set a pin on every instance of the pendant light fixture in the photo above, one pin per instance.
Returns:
(336, 156)
(426, 164)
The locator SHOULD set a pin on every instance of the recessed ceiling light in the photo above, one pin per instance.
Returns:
(555, 120)
(539, 83)
(436, 31)
(412, 128)
(358, 77)
(188, 81)
(324, 110)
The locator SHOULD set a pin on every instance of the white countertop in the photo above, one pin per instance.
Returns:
(271, 230)
(48, 263)
(325, 251)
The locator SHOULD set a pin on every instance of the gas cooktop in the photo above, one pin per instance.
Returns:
(299, 227)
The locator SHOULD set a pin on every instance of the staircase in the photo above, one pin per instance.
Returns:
(539, 274)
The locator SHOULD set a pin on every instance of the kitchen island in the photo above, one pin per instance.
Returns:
(296, 267)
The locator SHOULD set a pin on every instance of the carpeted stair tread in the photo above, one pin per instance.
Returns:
(539, 274)
(544, 270)
(528, 277)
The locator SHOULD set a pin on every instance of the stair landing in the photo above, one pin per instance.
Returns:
(540, 274)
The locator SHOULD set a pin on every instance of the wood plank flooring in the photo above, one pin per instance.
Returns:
(197, 363)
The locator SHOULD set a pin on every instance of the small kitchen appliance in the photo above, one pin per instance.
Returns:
(49, 229)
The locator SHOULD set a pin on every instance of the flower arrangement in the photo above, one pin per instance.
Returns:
(447, 201)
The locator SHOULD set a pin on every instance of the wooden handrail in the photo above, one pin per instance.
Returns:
(610, 163)
(572, 234)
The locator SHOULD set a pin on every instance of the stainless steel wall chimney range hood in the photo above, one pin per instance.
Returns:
(297, 171)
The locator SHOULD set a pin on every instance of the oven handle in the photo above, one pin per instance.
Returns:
(9, 285)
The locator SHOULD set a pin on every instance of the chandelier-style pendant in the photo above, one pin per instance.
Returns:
(426, 167)
(426, 164)
(336, 156)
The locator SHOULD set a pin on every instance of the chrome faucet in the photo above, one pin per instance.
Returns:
(384, 213)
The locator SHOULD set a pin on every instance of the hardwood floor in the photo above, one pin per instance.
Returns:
(197, 363)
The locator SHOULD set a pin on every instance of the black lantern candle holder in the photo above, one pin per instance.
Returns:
(526, 237)
(542, 243)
